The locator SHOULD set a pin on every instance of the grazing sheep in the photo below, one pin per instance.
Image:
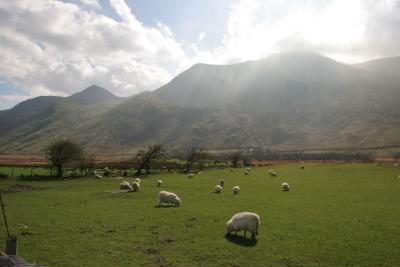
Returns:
(159, 183)
(169, 198)
(136, 180)
(217, 189)
(199, 172)
(190, 176)
(97, 176)
(222, 182)
(272, 173)
(246, 221)
(302, 165)
(135, 186)
(246, 172)
(236, 190)
(285, 187)
(248, 169)
(125, 185)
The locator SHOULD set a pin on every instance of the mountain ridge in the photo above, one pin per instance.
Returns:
(294, 100)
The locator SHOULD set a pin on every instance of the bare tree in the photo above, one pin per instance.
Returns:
(235, 158)
(62, 151)
(146, 157)
(192, 156)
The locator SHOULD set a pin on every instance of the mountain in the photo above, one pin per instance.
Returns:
(291, 101)
(386, 66)
(93, 95)
(30, 124)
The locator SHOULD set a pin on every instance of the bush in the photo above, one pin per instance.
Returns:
(3, 175)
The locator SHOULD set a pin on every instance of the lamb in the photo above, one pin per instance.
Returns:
(190, 176)
(136, 180)
(125, 185)
(222, 182)
(236, 190)
(135, 186)
(217, 189)
(159, 183)
(285, 187)
(169, 198)
(246, 221)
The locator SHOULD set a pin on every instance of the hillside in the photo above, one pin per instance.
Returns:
(385, 66)
(293, 100)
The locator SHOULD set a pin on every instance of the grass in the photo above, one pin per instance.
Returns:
(335, 215)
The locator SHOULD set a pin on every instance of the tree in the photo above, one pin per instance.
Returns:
(192, 156)
(146, 157)
(235, 158)
(62, 151)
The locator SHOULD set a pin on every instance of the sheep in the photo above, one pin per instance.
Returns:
(125, 185)
(236, 190)
(285, 187)
(159, 183)
(272, 173)
(248, 169)
(222, 182)
(97, 176)
(190, 176)
(169, 198)
(135, 186)
(137, 180)
(246, 173)
(302, 165)
(246, 221)
(218, 189)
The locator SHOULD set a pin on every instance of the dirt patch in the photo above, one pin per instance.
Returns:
(17, 188)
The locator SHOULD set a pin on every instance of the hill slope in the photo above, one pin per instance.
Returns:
(294, 100)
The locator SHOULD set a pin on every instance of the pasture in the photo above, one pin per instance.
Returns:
(334, 215)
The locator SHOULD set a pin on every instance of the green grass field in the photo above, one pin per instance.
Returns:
(335, 215)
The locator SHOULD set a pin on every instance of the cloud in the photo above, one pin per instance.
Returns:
(57, 48)
(201, 36)
(52, 47)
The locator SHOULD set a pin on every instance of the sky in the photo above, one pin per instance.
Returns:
(50, 47)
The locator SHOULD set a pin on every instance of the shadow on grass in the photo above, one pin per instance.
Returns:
(241, 240)
(166, 206)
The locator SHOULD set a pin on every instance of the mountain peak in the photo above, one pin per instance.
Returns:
(93, 94)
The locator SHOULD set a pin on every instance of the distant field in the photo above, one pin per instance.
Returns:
(335, 215)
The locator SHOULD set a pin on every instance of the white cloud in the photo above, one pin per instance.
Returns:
(57, 48)
(201, 36)
(52, 47)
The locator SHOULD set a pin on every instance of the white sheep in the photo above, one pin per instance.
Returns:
(125, 185)
(248, 169)
(169, 198)
(190, 176)
(246, 172)
(285, 187)
(137, 180)
(135, 186)
(159, 183)
(302, 165)
(236, 189)
(222, 182)
(97, 176)
(246, 221)
(217, 189)
(272, 173)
